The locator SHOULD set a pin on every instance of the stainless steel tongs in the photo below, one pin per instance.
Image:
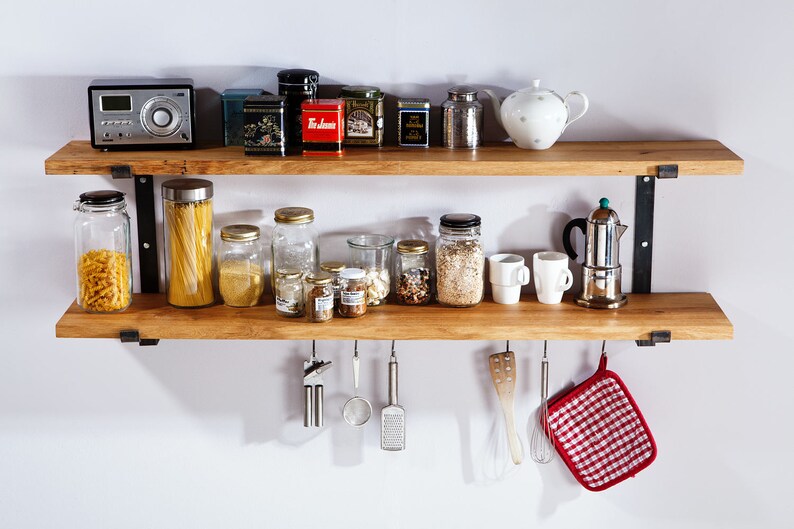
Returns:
(313, 370)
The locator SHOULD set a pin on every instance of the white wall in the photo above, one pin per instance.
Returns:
(96, 434)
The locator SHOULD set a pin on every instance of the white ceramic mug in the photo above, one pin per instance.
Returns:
(552, 276)
(507, 274)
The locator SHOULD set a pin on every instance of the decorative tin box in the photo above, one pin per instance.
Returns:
(323, 127)
(363, 115)
(413, 122)
(264, 125)
(233, 120)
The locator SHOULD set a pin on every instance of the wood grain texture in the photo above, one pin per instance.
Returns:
(613, 158)
(689, 316)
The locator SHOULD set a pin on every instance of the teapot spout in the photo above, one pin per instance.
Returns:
(497, 105)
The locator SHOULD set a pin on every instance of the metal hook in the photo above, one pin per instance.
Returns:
(355, 349)
(603, 348)
(314, 351)
(545, 343)
(392, 349)
(507, 347)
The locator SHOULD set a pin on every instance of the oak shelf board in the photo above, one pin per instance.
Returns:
(689, 316)
(590, 158)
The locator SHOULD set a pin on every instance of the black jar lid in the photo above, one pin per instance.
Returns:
(104, 197)
(298, 76)
(460, 220)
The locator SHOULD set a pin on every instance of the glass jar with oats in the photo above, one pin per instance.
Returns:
(187, 232)
(460, 261)
(102, 252)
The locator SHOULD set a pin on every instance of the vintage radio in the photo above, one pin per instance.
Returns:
(140, 114)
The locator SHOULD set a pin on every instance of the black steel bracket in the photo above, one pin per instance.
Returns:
(147, 227)
(656, 337)
(132, 336)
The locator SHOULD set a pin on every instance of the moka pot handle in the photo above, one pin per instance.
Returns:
(566, 235)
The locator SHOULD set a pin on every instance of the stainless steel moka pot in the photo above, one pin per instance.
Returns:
(601, 270)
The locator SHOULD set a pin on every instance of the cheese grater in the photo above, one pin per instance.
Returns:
(392, 417)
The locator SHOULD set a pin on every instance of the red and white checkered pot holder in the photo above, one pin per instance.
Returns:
(599, 432)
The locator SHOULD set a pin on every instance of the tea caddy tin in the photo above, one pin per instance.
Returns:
(413, 122)
(323, 127)
(265, 122)
(297, 85)
(461, 119)
(233, 117)
(363, 115)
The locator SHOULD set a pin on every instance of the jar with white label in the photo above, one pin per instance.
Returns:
(318, 294)
(353, 293)
(289, 293)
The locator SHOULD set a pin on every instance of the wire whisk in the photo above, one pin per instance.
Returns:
(541, 446)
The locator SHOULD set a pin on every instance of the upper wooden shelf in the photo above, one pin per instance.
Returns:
(597, 158)
(690, 316)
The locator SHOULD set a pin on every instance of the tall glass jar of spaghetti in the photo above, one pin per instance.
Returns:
(102, 252)
(187, 226)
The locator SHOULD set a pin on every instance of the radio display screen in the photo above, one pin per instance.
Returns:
(116, 103)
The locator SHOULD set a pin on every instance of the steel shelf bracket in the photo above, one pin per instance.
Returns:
(147, 228)
(645, 197)
(132, 336)
(656, 337)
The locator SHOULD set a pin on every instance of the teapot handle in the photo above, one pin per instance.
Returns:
(580, 114)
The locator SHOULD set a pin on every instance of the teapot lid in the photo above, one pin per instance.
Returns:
(603, 214)
(536, 88)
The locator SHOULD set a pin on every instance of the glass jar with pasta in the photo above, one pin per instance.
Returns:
(187, 227)
(102, 252)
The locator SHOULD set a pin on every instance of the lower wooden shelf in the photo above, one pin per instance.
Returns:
(688, 316)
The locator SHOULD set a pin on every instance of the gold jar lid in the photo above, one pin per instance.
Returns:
(332, 266)
(288, 273)
(294, 215)
(318, 278)
(240, 233)
(414, 246)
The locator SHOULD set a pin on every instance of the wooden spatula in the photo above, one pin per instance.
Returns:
(503, 374)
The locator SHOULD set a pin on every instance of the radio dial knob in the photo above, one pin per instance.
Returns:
(161, 117)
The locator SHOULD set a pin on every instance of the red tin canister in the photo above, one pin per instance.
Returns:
(323, 127)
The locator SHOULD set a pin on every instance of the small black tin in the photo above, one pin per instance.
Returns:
(413, 122)
(264, 125)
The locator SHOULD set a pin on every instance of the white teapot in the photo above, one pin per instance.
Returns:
(535, 117)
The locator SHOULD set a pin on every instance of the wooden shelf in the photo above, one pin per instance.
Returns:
(612, 158)
(689, 316)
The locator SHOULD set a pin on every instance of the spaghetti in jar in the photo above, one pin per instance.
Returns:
(187, 226)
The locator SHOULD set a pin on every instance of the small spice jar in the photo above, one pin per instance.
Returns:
(372, 253)
(363, 115)
(412, 272)
(289, 293)
(334, 268)
(460, 261)
(241, 266)
(323, 127)
(318, 297)
(353, 298)
(413, 122)
(265, 126)
(297, 84)
(187, 227)
(102, 252)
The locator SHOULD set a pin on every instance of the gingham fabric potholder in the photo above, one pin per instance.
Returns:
(599, 432)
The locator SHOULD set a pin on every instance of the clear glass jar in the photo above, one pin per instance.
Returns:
(318, 295)
(103, 252)
(187, 227)
(334, 268)
(295, 242)
(353, 296)
(372, 253)
(413, 282)
(460, 261)
(241, 266)
(289, 293)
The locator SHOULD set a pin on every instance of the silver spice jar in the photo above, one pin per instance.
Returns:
(461, 119)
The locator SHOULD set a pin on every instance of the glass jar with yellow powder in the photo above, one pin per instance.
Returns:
(241, 266)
